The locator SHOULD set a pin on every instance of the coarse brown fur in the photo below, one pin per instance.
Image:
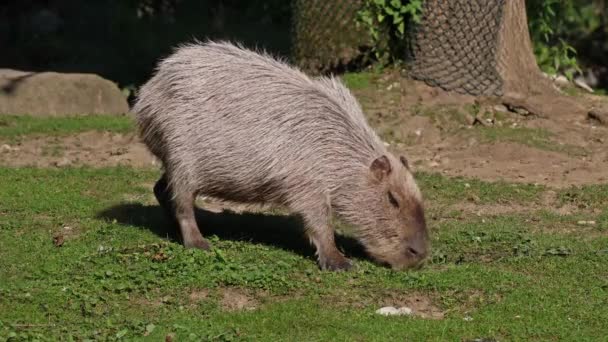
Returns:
(239, 125)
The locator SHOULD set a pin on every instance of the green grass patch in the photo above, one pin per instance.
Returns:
(532, 137)
(452, 119)
(587, 196)
(446, 118)
(439, 189)
(358, 80)
(15, 126)
(601, 92)
(117, 277)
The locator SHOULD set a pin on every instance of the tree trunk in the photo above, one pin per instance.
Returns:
(483, 48)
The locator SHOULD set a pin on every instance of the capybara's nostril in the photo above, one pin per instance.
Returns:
(413, 251)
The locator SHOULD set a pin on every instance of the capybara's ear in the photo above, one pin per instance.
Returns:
(404, 162)
(381, 167)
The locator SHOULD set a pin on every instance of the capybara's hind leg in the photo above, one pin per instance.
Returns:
(180, 208)
(184, 214)
(163, 196)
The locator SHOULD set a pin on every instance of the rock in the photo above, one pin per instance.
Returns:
(599, 114)
(481, 121)
(501, 109)
(561, 80)
(581, 84)
(55, 94)
(393, 311)
(62, 163)
(521, 111)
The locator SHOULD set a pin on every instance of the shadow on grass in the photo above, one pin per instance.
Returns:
(281, 231)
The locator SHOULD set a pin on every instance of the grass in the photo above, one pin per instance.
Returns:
(86, 254)
(452, 119)
(593, 196)
(536, 138)
(448, 119)
(117, 277)
(12, 127)
(357, 80)
(453, 190)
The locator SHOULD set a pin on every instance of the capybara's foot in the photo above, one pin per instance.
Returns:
(336, 263)
(198, 243)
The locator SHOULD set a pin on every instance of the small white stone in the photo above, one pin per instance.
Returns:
(468, 318)
(387, 311)
(586, 223)
(63, 162)
(393, 311)
(404, 310)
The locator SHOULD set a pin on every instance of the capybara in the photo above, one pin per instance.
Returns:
(240, 125)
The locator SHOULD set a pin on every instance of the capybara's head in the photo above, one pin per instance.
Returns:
(394, 229)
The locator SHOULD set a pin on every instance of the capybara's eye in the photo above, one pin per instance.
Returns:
(392, 199)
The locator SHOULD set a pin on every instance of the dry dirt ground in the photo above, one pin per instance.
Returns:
(437, 131)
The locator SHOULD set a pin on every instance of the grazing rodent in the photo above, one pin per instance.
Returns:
(235, 124)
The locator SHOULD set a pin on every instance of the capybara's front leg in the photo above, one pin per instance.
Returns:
(321, 235)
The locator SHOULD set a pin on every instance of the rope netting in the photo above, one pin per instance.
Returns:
(325, 34)
(455, 46)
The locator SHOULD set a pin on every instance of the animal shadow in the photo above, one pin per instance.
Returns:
(281, 231)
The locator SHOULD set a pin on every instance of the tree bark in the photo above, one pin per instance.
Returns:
(483, 48)
(523, 82)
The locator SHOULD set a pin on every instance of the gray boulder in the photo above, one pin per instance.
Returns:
(57, 94)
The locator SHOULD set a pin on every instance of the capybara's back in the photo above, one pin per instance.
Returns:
(235, 124)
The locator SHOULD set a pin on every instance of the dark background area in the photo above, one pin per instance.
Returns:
(122, 39)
